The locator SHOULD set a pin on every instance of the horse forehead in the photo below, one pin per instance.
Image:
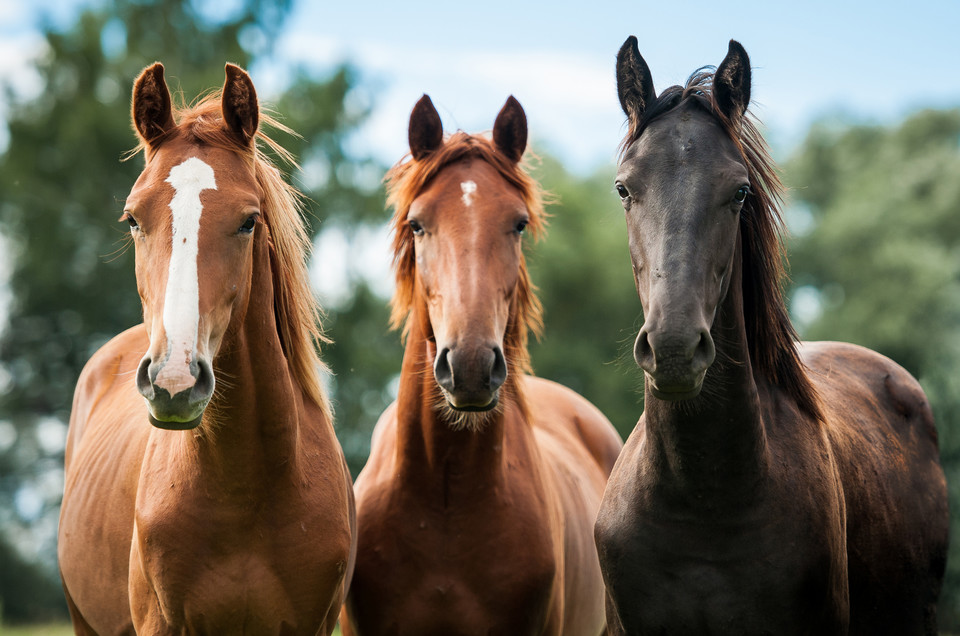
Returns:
(214, 174)
(470, 184)
(688, 136)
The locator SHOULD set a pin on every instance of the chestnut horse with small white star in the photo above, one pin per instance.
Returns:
(477, 504)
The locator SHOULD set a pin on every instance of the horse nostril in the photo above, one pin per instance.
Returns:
(442, 370)
(705, 351)
(643, 352)
(205, 383)
(144, 381)
(498, 371)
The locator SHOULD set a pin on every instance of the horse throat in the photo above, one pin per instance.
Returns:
(257, 398)
(430, 445)
(720, 433)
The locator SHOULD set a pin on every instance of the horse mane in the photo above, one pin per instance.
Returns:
(298, 314)
(407, 179)
(771, 336)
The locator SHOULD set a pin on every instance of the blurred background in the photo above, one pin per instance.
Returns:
(861, 105)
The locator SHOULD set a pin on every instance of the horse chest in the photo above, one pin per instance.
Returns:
(759, 572)
(440, 570)
(205, 565)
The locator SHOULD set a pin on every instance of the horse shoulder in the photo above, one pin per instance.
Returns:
(109, 372)
(379, 467)
(560, 410)
(105, 446)
(579, 447)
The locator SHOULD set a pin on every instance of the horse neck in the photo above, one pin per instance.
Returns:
(429, 450)
(717, 439)
(255, 412)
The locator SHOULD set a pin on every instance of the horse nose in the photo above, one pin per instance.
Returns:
(470, 376)
(183, 408)
(675, 354)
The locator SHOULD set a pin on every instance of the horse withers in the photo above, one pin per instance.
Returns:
(767, 488)
(476, 507)
(205, 489)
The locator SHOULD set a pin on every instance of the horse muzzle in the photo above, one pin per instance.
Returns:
(176, 400)
(470, 378)
(674, 363)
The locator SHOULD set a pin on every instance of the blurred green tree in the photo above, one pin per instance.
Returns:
(591, 310)
(875, 211)
(62, 186)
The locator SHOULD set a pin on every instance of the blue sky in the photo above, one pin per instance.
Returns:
(876, 61)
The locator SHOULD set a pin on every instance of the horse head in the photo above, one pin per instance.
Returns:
(193, 215)
(466, 226)
(683, 182)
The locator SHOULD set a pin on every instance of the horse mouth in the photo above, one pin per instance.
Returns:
(674, 391)
(175, 424)
(175, 415)
(472, 404)
(470, 408)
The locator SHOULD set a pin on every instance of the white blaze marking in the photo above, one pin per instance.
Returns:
(181, 304)
(468, 188)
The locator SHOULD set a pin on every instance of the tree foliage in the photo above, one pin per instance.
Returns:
(878, 262)
(591, 309)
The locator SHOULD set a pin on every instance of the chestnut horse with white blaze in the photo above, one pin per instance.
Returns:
(476, 507)
(767, 488)
(205, 490)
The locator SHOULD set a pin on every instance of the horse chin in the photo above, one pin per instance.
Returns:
(176, 424)
(466, 417)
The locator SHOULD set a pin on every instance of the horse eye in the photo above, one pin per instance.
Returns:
(622, 191)
(741, 194)
(248, 225)
(132, 221)
(521, 226)
(415, 227)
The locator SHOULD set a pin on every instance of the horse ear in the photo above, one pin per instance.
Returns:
(241, 111)
(510, 130)
(634, 81)
(731, 83)
(152, 112)
(425, 132)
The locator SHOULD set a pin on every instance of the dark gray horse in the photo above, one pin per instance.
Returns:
(767, 488)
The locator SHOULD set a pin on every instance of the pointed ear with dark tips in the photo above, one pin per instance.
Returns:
(425, 132)
(731, 83)
(152, 111)
(634, 81)
(241, 111)
(510, 130)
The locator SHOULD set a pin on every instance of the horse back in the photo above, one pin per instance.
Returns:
(884, 440)
(105, 444)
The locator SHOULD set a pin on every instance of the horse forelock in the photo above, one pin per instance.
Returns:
(772, 339)
(298, 314)
(406, 180)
